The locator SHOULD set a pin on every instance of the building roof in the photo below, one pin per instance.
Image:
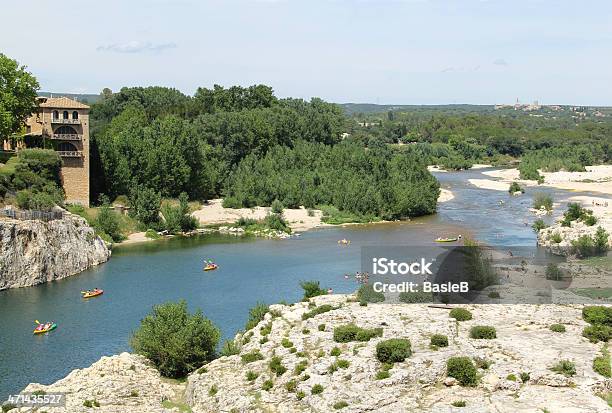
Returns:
(61, 103)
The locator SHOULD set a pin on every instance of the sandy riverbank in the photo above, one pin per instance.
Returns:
(298, 219)
(597, 178)
(445, 195)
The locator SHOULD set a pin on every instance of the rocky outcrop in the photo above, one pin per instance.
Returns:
(549, 237)
(514, 369)
(33, 252)
(524, 344)
(117, 384)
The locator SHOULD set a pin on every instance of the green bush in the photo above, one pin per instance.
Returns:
(312, 289)
(276, 366)
(483, 332)
(107, 222)
(556, 238)
(91, 403)
(494, 294)
(538, 225)
(230, 348)
(565, 367)
(350, 332)
(415, 297)
(276, 222)
(460, 314)
(439, 340)
(525, 377)
(462, 369)
(256, 314)
(335, 352)
(251, 375)
(597, 332)
(382, 374)
(321, 327)
(511, 377)
(291, 386)
(542, 200)
(515, 187)
(557, 328)
(597, 314)
(252, 356)
(393, 350)
(602, 364)
(175, 341)
(343, 364)
(178, 218)
(553, 272)
(340, 405)
(317, 389)
(317, 310)
(300, 395)
(459, 403)
(145, 203)
(213, 390)
(152, 234)
(277, 207)
(367, 294)
(267, 385)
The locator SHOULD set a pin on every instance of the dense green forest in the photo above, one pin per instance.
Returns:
(252, 148)
(451, 136)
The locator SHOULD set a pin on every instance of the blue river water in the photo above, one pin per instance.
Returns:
(251, 270)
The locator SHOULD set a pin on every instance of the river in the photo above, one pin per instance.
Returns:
(251, 270)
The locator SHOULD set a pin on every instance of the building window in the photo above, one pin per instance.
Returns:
(75, 115)
(65, 130)
(55, 114)
(65, 115)
(66, 147)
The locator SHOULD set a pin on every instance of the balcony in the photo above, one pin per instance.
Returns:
(67, 136)
(70, 154)
(66, 121)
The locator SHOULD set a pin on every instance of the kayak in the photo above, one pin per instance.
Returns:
(211, 267)
(446, 239)
(52, 327)
(344, 242)
(89, 294)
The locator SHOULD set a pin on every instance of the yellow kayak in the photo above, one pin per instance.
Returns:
(45, 330)
(446, 239)
(211, 267)
(89, 294)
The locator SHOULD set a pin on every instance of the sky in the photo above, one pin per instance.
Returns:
(363, 51)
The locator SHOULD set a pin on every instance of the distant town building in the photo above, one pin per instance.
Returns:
(65, 122)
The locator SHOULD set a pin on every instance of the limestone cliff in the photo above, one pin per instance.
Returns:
(33, 252)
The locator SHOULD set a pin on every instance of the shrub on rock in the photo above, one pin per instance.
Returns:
(460, 314)
(597, 333)
(483, 332)
(565, 367)
(462, 369)
(439, 340)
(367, 294)
(557, 328)
(393, 350)
(597, 314)
(350, 332)
(175, 341)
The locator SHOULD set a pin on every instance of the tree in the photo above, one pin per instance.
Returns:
(175, 341)
(145, 204)
(17, 95)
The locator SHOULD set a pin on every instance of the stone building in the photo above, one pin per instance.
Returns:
(65, 123)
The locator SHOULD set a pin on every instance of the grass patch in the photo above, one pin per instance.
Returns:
(557, 328)
(564, 367)
(317, 310)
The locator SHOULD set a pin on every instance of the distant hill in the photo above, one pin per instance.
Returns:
(352, 108)
(81, 97)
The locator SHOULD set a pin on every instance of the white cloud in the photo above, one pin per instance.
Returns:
(135, 46)
(500, 62)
